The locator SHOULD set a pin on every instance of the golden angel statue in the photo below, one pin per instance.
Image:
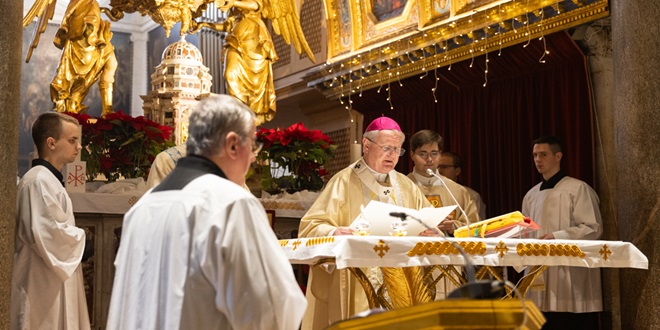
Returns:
(87, 54)
(249, 50)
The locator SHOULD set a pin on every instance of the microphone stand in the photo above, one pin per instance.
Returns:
(467, 220)
(473, 289)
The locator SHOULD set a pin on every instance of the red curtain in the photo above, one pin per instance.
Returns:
(492, 128)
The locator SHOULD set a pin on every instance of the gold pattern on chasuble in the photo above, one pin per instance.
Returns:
(435, 200)
(381, 248)
(501, 249)
(320, 240)
(605, 252)
(553, 250)
(447, 248)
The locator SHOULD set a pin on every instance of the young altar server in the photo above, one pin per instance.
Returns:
(565, 208)
(425, 151)
(197, 252)
(47, 282)
(337, 295)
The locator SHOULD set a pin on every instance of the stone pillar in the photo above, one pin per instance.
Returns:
(140, 72)
(636, 56)
(10, 104)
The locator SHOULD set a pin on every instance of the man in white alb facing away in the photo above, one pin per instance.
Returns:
(197, 252)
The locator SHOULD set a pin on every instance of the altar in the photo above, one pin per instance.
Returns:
(355, 252)
(101, 215)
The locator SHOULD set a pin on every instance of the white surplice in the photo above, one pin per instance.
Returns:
(203, 257)
(47, 282)
(568, 211)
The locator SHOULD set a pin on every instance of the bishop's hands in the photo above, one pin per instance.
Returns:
(343, 231)
(446, 226)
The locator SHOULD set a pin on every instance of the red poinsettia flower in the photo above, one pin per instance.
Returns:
(295, 150)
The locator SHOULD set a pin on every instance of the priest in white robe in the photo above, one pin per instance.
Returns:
(337, 295)
(565, 208)
(426, 148)
(197, 252)
(47, 282)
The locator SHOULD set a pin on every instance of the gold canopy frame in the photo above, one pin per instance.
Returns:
(361, 56)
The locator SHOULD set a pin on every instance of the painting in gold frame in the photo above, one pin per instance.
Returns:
(433, 11)
(462, 6)
(377, 24)
(340, 22)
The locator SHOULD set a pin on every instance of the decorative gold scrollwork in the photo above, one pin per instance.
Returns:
(553, 250)
(320, 240)
(284, 242)
(447, 248)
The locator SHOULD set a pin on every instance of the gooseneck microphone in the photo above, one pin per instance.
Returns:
(467, 220)
(473, 289)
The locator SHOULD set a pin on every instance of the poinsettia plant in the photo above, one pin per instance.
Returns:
(119, 145)
(292, 159)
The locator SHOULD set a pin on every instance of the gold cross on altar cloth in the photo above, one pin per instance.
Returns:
(381, 248)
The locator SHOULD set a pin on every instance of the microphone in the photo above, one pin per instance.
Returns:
(401, 215)
(430, 172)
(473, 289)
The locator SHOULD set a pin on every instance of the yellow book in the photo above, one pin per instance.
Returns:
(506, 225)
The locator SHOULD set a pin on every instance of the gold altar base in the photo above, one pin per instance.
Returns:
(453, 314)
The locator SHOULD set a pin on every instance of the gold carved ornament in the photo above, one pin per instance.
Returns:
(87, 54)
(249, 51)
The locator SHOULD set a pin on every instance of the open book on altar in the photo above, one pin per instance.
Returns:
(379, 221)
(503, 226)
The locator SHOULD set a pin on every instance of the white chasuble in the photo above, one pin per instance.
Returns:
(336, 296)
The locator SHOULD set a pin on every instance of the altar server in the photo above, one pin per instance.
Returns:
(47, 283)
(426, 148)
(565, 208)
(337, 295)
(197, 252)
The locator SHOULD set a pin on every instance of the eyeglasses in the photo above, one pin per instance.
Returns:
(425, 155)
(444, 167)
(388, 149)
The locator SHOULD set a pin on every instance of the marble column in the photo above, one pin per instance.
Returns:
(636, 56)
(140, 72)
(10, 91)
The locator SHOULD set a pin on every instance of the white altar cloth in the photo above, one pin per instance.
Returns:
(386, 251)
(103, 203)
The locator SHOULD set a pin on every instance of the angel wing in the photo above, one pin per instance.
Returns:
(44, 10)
(284, 18)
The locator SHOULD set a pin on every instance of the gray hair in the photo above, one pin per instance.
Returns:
(212, 119)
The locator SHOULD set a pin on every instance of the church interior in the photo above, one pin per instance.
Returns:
(490, 76)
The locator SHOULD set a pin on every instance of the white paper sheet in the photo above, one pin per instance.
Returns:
(377, 214)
